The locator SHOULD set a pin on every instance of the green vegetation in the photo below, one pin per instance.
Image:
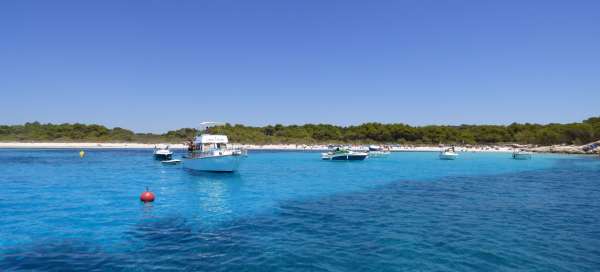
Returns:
(574, 133)
(36, 132)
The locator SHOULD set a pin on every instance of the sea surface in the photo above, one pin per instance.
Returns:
(290, 211)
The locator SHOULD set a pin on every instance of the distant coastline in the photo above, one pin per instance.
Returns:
(564, 149)
(575, 134)
(572, 138)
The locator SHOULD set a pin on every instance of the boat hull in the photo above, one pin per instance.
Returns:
(345, 157)
(226, 163)
(163, 157)
(171, 162)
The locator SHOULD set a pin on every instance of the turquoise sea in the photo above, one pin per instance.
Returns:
(290, 211)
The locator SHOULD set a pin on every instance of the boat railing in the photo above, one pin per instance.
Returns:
(212, 152)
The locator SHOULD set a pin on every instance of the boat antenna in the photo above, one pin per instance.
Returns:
(205, 125)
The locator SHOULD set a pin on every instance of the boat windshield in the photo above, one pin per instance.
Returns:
(339, 150)
(207, 147)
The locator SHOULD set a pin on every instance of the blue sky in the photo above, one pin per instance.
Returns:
(160, 65)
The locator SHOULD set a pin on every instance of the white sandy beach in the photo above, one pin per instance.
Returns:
(290, 147)
(405, 148)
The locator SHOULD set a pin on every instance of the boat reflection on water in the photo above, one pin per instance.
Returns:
(213, 194)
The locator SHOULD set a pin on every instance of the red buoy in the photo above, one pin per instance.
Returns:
(147, 196)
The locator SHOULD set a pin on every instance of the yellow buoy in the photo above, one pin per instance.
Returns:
(81, 154)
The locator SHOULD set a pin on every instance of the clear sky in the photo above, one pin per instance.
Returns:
(160, 65)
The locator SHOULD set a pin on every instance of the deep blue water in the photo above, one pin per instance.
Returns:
(290, 211)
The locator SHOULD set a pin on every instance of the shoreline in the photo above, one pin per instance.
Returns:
(17, 145)
(294, 147)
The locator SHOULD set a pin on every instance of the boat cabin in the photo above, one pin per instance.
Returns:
(208, 142)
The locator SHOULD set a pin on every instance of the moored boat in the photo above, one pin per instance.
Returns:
(522, 155)
(162, 153)
(344, 154)
(210, 152)
(449, 154)
(378, 151)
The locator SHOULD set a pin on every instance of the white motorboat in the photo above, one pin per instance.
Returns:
(209, 152)
(376, 151)
(522, 155)
(448, 154)
(162, 153)
(344, 154)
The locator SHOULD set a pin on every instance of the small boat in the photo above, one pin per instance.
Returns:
(162, 153)
(448, 154)
(209, 152)
(521, 155)
(171, 162)
(378, 151)
(344, 154)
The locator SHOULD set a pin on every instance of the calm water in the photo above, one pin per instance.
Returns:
(294, 212)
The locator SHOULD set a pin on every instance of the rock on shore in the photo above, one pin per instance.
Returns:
(565, 149)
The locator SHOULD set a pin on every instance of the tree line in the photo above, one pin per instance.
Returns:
(549, 134)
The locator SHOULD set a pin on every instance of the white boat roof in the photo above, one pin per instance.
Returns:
(211, 139)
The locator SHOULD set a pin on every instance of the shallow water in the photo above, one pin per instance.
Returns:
(292, 211)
